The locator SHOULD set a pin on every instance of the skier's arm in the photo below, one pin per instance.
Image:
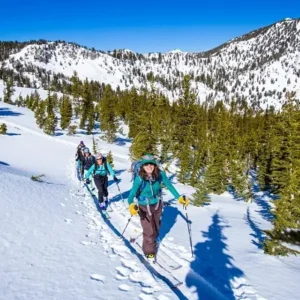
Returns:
(169, 185)
(110, 169)
(89, 172)
(136, 185)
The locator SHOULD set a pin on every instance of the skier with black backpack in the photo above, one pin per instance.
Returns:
(79, 157)
(147, 189)
(88, 160)
(100, 169)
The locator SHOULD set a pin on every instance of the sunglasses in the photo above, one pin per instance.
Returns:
(98, 158)
(148, 164)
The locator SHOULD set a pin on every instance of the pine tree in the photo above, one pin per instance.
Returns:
(286, 178)
(91, 121)
(146, 139)
(65, 112)
(110, 159)
(95, 146)
(76, 91)
(87, 103)
(108, 117)
(8, 91)
(3, 128)
(184, 128)
(35, 100)
(200, 197)
(51, 120)
(72, 129)
(50, 124)
(40, 114)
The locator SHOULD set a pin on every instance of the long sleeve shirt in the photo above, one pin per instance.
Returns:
(151, 191)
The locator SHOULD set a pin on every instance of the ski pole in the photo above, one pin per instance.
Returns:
(121, 194)
(81, 188)
(122, 235)
(189, 228)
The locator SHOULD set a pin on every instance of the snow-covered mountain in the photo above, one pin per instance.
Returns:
(259, 66)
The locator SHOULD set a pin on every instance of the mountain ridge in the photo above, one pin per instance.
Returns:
(259, 66)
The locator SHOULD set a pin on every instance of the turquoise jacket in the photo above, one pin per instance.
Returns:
(101, 170)
(151, 191)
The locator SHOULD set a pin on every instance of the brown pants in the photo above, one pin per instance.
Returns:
(150, 225)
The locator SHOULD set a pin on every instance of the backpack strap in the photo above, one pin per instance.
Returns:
(96, 165)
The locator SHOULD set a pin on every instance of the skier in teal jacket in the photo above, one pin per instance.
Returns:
(100, 169)
(147, 189)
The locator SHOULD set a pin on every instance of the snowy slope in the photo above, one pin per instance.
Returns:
(56, 245)
(261, 66)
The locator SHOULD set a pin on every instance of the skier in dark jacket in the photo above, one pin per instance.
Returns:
(100, 170)
(147, 189)
(88, 161)
(79, 157)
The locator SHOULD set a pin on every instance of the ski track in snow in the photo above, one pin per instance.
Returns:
(131, 270)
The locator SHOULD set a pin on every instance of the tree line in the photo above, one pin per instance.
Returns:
(217, 147)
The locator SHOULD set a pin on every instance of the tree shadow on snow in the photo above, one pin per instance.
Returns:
(118, 172)
(122, 141)
(232, 192)
(3, 163)
(7, 112)
(169, 218)
(121, 195)
(12, 134)
(261, 198)
(212, 270)
(58, 133)
(257, 234)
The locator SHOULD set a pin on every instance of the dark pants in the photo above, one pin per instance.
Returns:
(151, 225)
(101, 183)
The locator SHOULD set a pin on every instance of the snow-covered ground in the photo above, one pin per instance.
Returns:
(54, 243)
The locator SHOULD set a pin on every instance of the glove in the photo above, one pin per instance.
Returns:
(115, 179)
(183, 200)
(133, 209)
(87, 181)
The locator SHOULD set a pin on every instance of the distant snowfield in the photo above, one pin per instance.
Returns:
(56, 245)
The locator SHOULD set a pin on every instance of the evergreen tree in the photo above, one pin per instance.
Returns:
(3, 128)
(76, 92)
(51, 120)
(65, 112)
(72, 129)
(146, 139)
(8, 91)
(200, 197)
(95, 146)
(110, 159)
(184, 128)
(91, 121)
(108, 117)
(87, 103)
(40, 114)
(286, 178)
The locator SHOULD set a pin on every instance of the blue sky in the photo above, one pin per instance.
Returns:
(142, 26)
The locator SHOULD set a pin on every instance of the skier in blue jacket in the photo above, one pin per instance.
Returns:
(100, 169)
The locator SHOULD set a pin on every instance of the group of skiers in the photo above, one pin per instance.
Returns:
(147, 182)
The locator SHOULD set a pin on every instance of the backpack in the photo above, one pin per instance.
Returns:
(96, 165)
(88, 161)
